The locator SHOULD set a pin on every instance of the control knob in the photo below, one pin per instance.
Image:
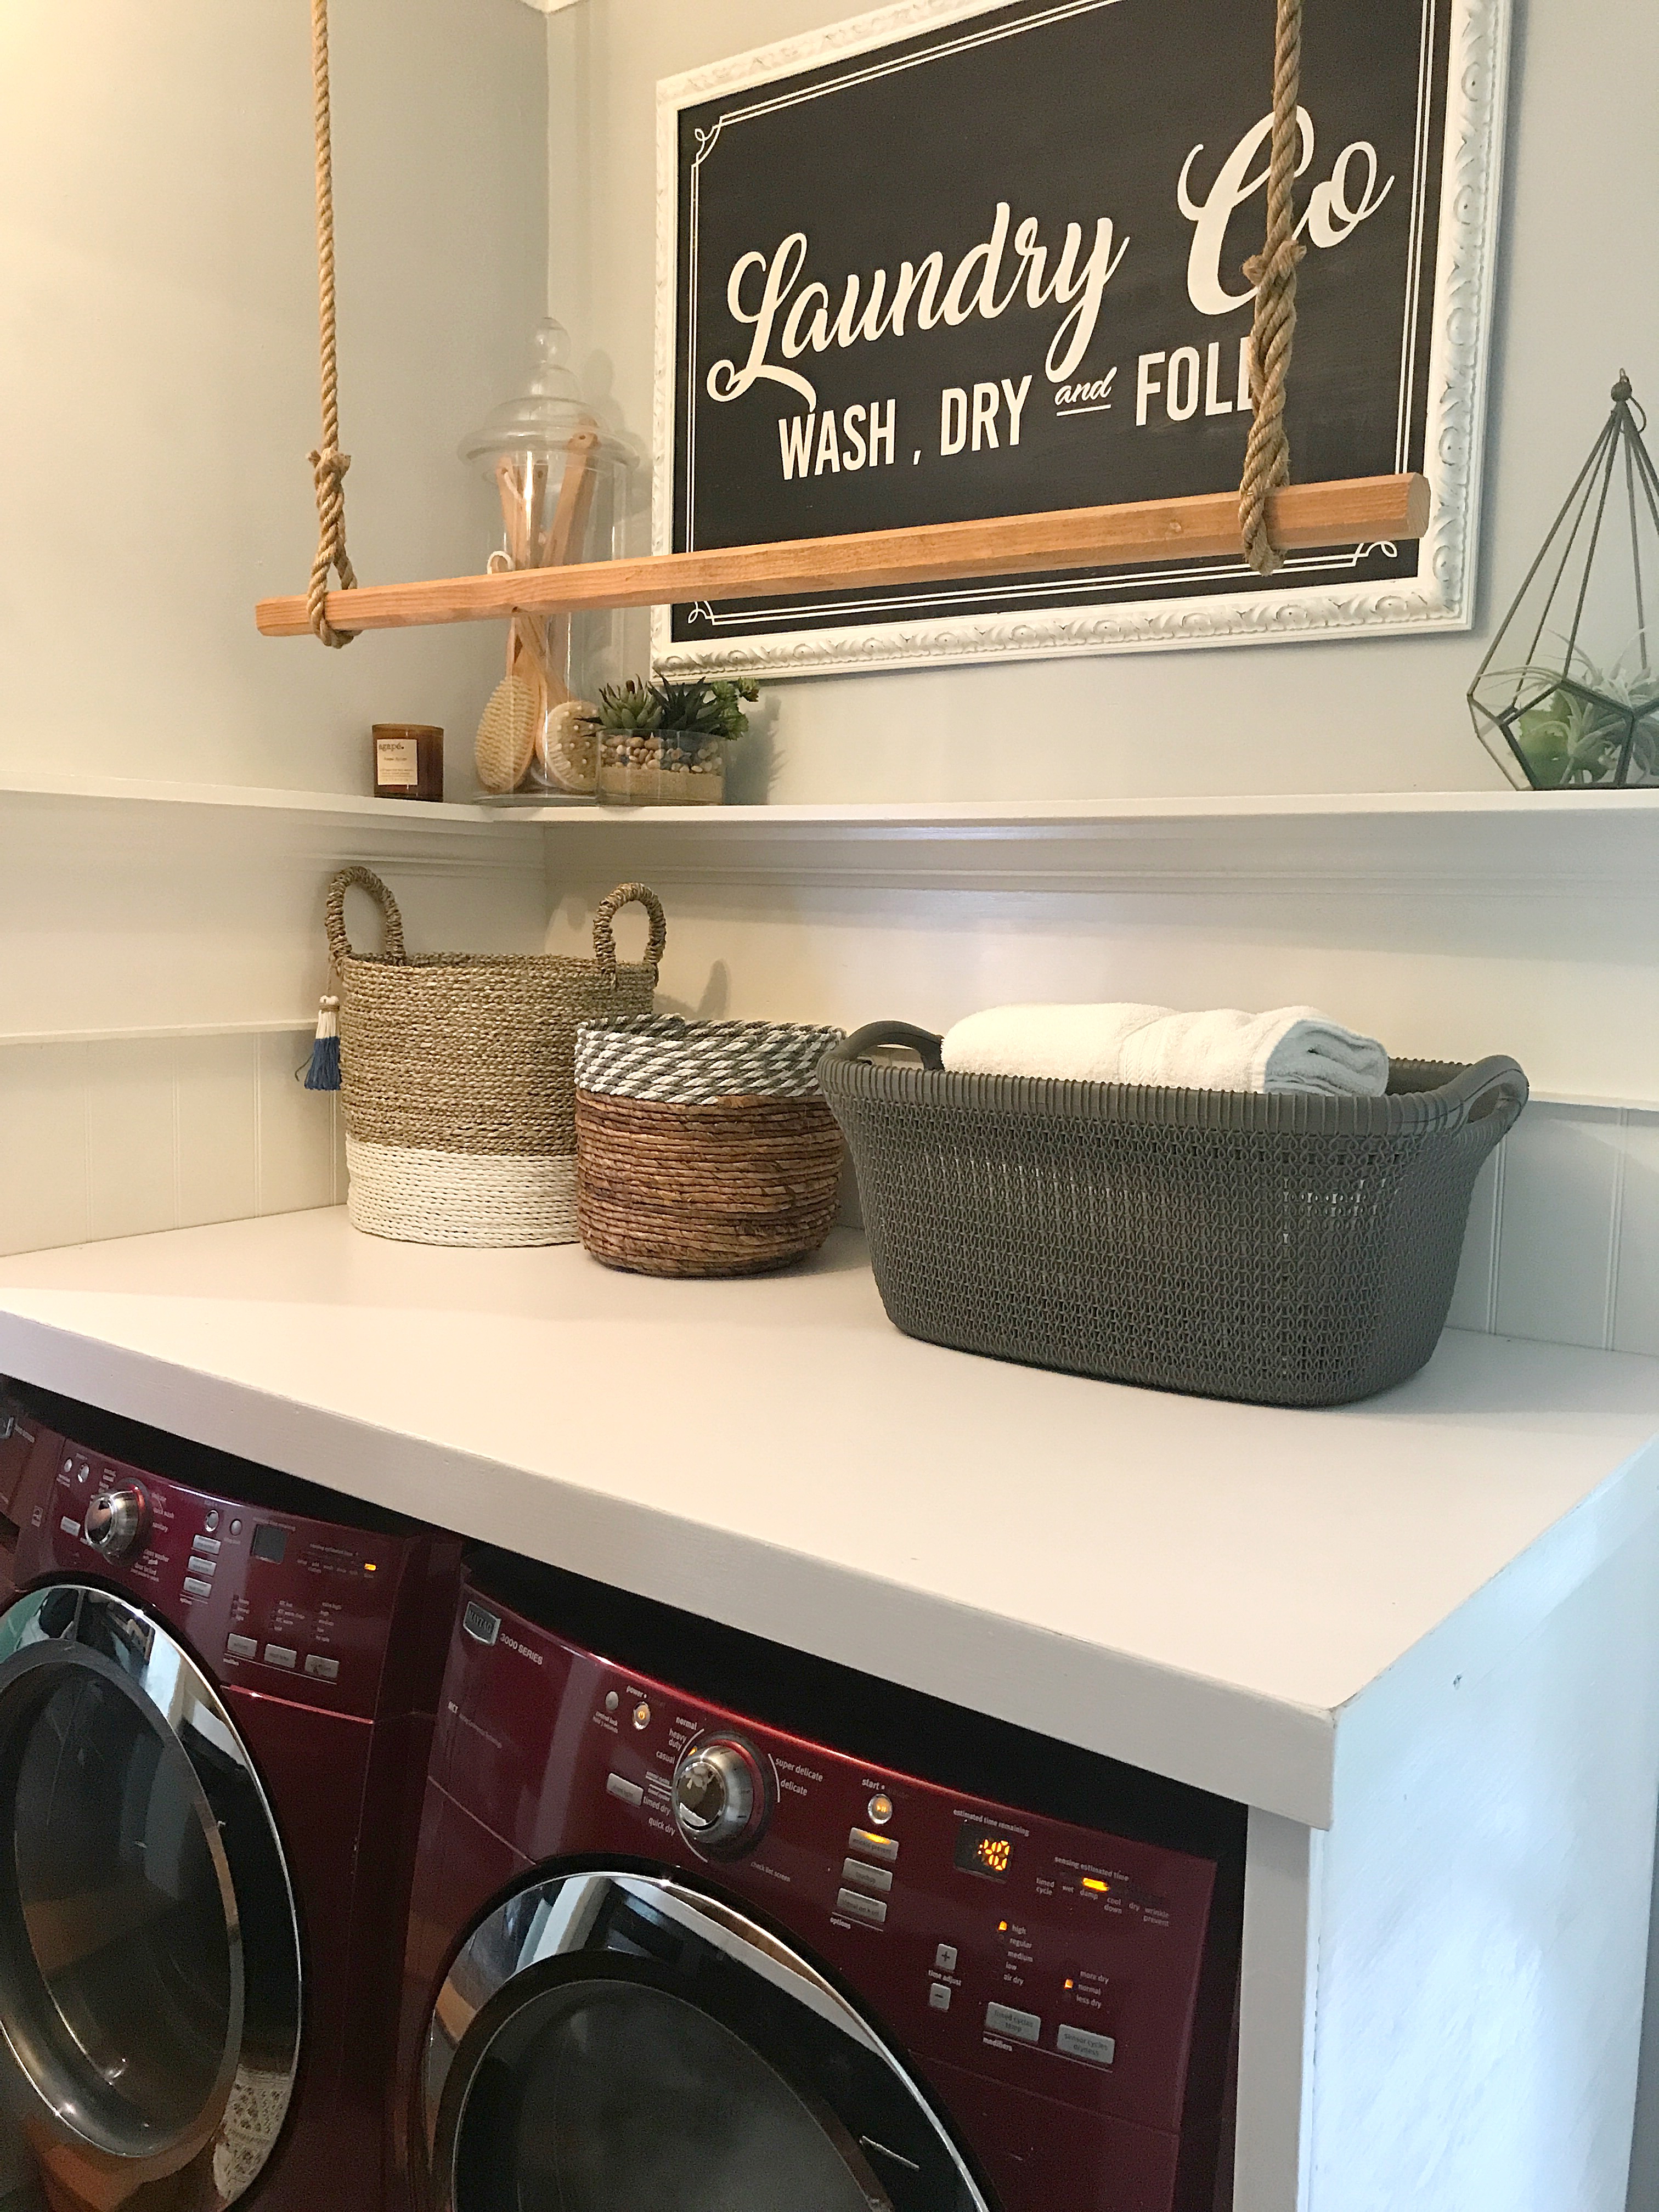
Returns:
(719, 1797)
(117, 1518)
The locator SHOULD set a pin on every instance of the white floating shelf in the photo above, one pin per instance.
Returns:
(243, 799)
(1586, 844)
(995, 814)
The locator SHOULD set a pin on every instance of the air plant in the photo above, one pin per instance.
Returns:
(1585, 726)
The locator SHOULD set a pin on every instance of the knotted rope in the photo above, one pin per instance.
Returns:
(328, 463)
(1272, 271)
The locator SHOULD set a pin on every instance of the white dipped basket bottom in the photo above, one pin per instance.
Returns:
(458, 1075)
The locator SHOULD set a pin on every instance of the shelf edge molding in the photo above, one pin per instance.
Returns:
(1356, 510)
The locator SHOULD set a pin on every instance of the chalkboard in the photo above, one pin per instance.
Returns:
(950, 261)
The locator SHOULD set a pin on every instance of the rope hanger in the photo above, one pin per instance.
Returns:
(328, 463)
(1272, 272)
(1272, 334)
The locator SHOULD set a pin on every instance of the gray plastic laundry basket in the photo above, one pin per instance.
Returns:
(1284, 1249)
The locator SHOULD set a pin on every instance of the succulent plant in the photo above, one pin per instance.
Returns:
(630, 710)
(707, 709)
(690, 710)
(731, 698)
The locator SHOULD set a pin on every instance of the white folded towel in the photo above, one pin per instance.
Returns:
(1293, 1048)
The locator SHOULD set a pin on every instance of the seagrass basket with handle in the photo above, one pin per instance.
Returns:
(457, 1075)
(704, 1148)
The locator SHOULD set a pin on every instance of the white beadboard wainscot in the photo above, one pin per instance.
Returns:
(117, 1136)
(164, 957)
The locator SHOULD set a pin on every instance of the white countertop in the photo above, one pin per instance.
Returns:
(1200, 1588)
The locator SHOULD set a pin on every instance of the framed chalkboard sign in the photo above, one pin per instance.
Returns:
(951, 261)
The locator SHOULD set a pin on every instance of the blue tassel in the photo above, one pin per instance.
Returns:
(323, 1072)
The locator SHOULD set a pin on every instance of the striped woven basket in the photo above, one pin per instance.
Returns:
(703, 1148)
(457, 1075)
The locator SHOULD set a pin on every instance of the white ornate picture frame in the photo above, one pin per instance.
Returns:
(1322, 605)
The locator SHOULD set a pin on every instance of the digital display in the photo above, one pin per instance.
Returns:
(270, 1542)
(984, 1850)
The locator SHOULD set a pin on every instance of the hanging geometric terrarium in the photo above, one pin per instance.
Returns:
(1568, 698)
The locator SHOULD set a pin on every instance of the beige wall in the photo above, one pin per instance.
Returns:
(158, 375)
(1574, 303)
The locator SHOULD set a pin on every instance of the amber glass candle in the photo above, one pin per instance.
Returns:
(408, 761)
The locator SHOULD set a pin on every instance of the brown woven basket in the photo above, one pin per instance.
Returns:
(457, 1075)
(737, 1184)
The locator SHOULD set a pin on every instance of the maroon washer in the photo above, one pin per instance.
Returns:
(664, 1949)
(216, 1697)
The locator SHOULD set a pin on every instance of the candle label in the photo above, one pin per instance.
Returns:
(396, 763)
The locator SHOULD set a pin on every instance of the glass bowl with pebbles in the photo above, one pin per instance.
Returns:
(664, 744)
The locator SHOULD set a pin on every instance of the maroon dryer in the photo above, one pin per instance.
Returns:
(698, 1922)
(216, 1695)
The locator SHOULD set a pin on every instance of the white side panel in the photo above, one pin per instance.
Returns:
(1282, 1878)
(1487, 1888)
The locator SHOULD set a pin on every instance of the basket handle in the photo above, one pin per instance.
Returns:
(863, 1042)
(1491, 1089)
(604, 941)
(392, 922)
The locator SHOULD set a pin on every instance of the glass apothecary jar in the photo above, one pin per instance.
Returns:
(559, 495)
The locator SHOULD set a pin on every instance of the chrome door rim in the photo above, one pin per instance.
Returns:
(171, 1691)
(547, 1919)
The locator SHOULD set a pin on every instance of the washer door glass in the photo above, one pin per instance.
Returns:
(603, 2097)
(122, 1907)
(149, 1971)
(608, 2041)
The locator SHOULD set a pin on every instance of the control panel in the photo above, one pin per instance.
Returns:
(270, 1602)
(1056, 1960)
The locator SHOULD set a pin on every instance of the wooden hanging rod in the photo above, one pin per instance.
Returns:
(1362, 509)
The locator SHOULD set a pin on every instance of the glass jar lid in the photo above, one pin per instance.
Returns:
(545, 416)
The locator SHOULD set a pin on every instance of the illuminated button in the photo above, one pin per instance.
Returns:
(642, 1715)
(855, 1907)
(873, 1847)
(618, 1785)
(1079, 2042)
(881, 1809)
(241, 1647)
(195, 1589)
(213, 1523)
(278, 1654)
(321, 1669)
(945, 1959)
(1019, 2026)
(939, 1996)
(204, 1544)
(880, 1879)
(70, 1527)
